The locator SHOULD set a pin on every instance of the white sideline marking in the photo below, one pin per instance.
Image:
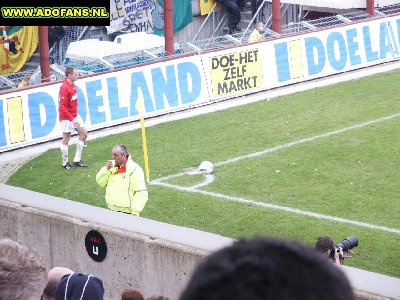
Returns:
(194, 189)
(305, 140)
(277, 207)
(288, 145)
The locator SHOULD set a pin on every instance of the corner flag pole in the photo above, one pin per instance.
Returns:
(144, 140)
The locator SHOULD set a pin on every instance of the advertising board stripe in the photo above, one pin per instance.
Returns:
(15, 120)
(296, 59)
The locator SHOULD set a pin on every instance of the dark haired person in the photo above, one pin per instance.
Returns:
(56, 34)
(326, 245)
(262, 269)
(131, 294)
(124, 182)
(80, 286)
(233, 14)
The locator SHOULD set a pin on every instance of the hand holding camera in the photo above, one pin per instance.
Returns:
(337, 253)
(343, 249)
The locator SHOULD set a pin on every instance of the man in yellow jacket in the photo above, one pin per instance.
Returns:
(124, 182)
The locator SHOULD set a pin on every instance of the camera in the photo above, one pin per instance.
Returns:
(346, 245)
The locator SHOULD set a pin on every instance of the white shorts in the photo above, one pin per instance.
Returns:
(68, 126)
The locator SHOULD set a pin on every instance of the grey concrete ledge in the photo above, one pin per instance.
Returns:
(166, 254)
(180, 235)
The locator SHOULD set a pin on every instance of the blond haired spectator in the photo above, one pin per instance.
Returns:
(257, 34)
(23, 83)
(22, 273)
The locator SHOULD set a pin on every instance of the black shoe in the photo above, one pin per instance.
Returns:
(80, 164)
(231, 31)
(68, 166)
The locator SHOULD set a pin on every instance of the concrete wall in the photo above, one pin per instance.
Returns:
(157, 258)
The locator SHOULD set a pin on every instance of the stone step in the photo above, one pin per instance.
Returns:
(246, 14)
(242, 25)
(98, 32)
(33, 62)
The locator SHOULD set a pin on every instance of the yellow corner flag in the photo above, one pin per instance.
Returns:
(144, 140)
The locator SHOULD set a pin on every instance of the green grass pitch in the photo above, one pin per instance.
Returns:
(320, 162)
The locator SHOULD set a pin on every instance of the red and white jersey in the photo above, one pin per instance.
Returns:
(68, 101)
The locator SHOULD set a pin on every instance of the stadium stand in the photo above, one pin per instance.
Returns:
(120, 49)
(126, 50)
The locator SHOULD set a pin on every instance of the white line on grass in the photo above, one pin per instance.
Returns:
(277, 207)
(209, 179)
(305, 140)
(193, 189)
(284, 146)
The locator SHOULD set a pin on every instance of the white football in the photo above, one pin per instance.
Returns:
(206, 167)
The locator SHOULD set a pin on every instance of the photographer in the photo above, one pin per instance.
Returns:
(326, 245)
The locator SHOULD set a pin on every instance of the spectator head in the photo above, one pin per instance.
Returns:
(259, 26)
(262, 269)
(80, 286)
(324, 244)
(132, 294)
(53, 279)
(22, 273)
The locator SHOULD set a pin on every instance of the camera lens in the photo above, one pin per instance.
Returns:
(348, 243)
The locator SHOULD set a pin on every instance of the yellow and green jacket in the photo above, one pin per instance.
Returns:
(255, 36)
(125, 187)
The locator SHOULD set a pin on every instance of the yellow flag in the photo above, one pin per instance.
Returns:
(17, 44)
(206, 6)
(144, 139)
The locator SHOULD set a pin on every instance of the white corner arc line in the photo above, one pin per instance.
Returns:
(161, 181)
(287, 145)
(209, 179)
(277, 207)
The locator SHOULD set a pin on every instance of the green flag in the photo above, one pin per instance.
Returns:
(182, 15)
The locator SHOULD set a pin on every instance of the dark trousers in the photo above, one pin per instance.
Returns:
(241, 4)
(255, 4)
(233, 12)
